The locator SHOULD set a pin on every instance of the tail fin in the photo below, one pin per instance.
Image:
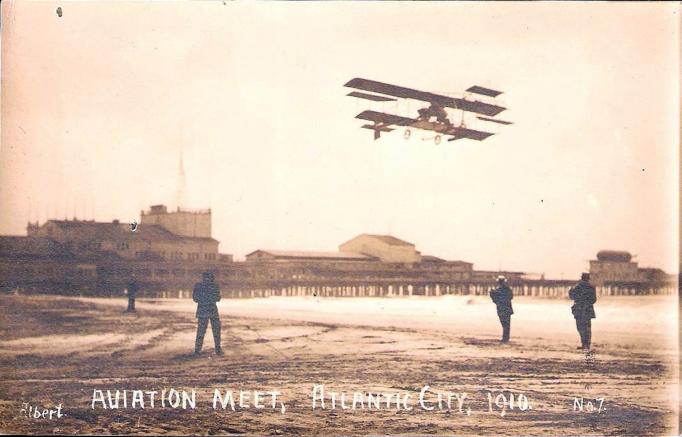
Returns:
(378, 129)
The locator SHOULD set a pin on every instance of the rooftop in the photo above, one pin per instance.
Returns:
(435, 259)
(390, 239)
(314, 255)
(614, 255)
(163, 209)
(121, 231)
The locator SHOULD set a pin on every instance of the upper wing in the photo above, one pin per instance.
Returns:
(373, 97)
(409, 93)
(484, 91)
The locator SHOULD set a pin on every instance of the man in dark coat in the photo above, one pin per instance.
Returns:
(502, 296)
(132, 289)
(584, 295)
(206, 294)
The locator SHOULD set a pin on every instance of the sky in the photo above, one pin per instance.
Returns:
(98, 104)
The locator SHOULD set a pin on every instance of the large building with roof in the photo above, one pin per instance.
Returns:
(148, 241)
(304, 256)
(618, 267)
(366, 257)
(386, 248)
(85, 254)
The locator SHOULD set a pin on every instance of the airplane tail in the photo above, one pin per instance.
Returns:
(378, 129)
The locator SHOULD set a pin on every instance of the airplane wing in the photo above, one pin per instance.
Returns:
(462, 132)
(456, 132)
(494, 120)
(385, 119)
(372, 97)
(409, 93)
(484, 91)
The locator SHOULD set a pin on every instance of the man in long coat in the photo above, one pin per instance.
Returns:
(584, 296)
(206, 293)
(502, 296)
(132, 290)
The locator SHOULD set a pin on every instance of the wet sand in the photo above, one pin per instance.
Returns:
(58, 350)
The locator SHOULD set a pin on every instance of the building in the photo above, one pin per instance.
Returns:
(165, 236)
(613, 266)
(439, 268)
(654, 275)
(490, 276)
(364, 258)
(386, 248)
(181, 222)
(37, 263)
(289, 256)
(167, 250)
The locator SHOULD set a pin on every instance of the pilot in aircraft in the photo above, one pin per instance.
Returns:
(502, 296)
(206, 294)
(434, 110)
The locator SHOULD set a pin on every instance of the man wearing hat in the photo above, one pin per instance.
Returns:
(584, 295)
(502, 296)
(206, 294)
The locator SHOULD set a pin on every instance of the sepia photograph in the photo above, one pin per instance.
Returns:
(339, 218)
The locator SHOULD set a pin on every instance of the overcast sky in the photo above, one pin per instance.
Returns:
(97, 104)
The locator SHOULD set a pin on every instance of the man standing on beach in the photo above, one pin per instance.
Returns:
(502, 296)
(584, 295)
(206, 294)
(132, 289)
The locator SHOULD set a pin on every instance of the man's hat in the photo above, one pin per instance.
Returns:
(501, 278)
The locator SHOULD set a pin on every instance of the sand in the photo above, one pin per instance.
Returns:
(59, 350)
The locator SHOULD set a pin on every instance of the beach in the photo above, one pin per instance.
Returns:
(59, 351)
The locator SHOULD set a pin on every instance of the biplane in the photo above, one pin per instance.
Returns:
(433, 117)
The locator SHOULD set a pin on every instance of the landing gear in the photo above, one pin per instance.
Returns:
(407, 134)
(437, 139)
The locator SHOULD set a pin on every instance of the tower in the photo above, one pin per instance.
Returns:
(183, 222)
(181, 196)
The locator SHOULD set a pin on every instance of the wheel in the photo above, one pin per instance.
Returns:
(437, 139)
(407, 134)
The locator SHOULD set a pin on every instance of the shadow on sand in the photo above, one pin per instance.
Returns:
(485, 342)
